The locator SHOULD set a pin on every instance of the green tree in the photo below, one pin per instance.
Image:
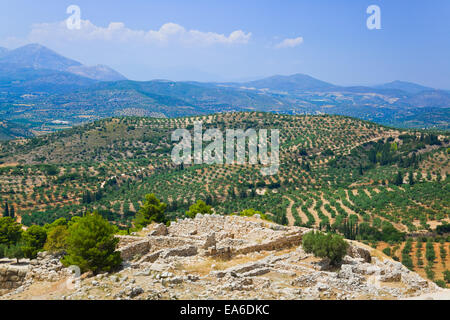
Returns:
(331, 246)
(57, 239)
(429, 252)
(91, 244)
(6, 210)
(398, 179)
(429, 272)
(12, 214)
(10, 231)
(3, 248)
(198, 207)
(151, 210)
(33, 241)
(56, 223)
(411, 178)
(15, 251)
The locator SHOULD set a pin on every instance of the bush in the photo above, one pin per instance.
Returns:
(91, 244)
(429, 272)
(33, 241)
(322, 245)
(151, 210)
(252, 212)
(447, 276)
(387, 251)
(429, 252)
(198, 207)
(441, 283)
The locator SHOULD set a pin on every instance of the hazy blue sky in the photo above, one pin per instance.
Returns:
(239, 40)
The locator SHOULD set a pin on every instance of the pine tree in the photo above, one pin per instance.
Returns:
(398, 179)
(91, 244)
(411, 178)
(151, 210)
(12, 213)
(6, 212)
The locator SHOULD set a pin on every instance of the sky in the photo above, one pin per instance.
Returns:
(228, 40)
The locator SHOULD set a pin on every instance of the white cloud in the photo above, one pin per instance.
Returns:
(290, 43)
(118, 32)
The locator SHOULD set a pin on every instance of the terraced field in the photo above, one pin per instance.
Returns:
(336, 173)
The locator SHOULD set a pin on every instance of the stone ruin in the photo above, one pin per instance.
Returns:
(226, 257)
(46, 267)
(209, 235)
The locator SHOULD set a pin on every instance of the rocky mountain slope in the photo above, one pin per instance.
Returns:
(221, 257)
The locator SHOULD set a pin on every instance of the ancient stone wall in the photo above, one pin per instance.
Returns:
(12, 276)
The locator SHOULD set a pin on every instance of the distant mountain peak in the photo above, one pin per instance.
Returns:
(406, 86)
(290, 83)
(35, 46)
(37, 56)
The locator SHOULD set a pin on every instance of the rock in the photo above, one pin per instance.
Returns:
(257, 272)
(246, 267)
(356, 250)
(394, 276)
(210, 240)
(86, 275)
(183, 251)
(159, 267)
(159, 230)
(322, 286)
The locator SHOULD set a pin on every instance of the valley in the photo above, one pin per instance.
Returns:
(368, 182)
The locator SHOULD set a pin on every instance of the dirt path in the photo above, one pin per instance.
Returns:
(325, 212)
(314, 212)
(289, 215)
(302, 215)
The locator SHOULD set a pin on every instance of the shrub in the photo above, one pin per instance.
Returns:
(252, 212)
(441, 283)
(447, 276)
(198, 207)
(91, 244)
(331, 246)
(429, 252)
(429, 272)
(387, 251)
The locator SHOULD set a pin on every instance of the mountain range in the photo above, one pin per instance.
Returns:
(40, 87)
